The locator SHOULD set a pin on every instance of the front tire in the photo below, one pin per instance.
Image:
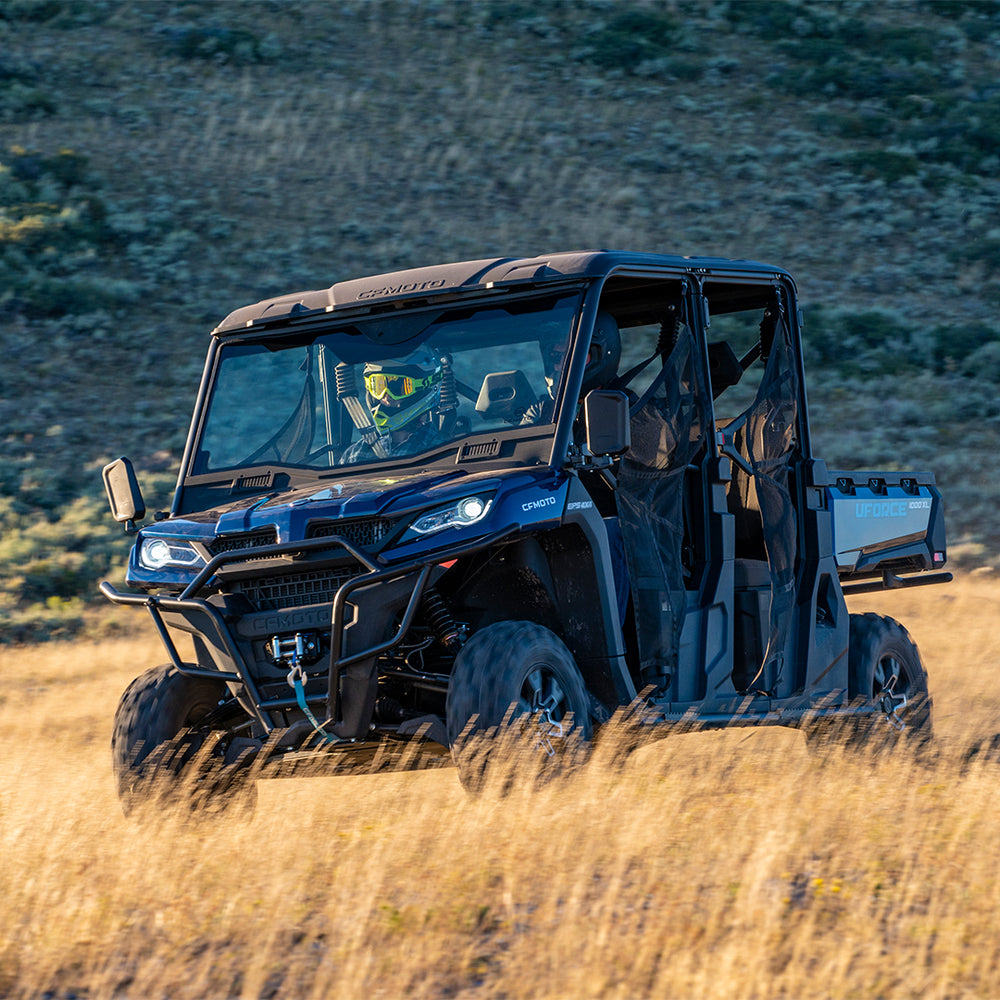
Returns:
(515, 678)
(156, 739)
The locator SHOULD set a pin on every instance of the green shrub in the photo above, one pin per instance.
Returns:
(960, 9)
(21, 102)
(60, 558)
(983, 363)
(40, 11)
(884, 164)
(54, 618)
(954, 346)
(57, 250)
(983, 251)
(865, 344)
(771, 18)
(630, 38)
(237, 46)
(866, 123)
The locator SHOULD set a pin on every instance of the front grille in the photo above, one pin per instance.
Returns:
(362, 532)
(295, 590)
(248, 540)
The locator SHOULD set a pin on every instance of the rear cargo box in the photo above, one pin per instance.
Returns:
(886, 521)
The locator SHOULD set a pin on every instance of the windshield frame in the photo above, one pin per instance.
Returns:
(528, 444)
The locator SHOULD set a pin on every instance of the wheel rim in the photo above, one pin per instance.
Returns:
(544, 700)
(891, 685)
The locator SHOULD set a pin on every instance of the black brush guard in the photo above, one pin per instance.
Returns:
(352, 677)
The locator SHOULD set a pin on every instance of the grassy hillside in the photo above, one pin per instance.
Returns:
(730, 864)
(161, 163)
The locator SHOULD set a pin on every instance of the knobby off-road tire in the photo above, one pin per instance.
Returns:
(883, 662)
(515, 680)
(155, 744)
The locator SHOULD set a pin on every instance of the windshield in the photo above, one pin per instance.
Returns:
(386, 386)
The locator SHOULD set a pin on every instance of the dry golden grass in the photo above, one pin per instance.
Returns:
(710, 865)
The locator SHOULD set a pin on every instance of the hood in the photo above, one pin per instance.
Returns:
(379, 496)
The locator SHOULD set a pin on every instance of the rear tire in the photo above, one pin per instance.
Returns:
(516, 679)
(155, 744)
(884, 668)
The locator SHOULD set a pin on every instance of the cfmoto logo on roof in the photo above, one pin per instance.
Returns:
(410, 286)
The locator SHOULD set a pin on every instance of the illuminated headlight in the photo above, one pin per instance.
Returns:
(156, 553)
(466, 511)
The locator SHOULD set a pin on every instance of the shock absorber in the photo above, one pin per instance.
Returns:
(447, 408)
(440, 619)
(667, 339)
(448, 399)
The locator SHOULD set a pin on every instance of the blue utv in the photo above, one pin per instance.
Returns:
(513, 492)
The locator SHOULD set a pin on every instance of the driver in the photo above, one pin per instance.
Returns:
(402, 395)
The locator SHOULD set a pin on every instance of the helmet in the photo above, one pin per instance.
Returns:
(401, 390)
(602, 357)
(604, 354)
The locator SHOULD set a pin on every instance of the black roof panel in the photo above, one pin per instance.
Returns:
(420, 282)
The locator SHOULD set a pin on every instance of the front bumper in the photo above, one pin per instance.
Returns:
(364, 611)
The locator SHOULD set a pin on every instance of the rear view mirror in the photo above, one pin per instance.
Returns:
(605, 413)
(123, 492)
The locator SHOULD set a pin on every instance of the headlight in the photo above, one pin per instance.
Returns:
(156, 553)
(466, 511)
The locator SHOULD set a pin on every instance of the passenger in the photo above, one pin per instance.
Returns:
(602, 366)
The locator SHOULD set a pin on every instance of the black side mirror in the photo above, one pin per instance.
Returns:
(123, 492)
(606, 416)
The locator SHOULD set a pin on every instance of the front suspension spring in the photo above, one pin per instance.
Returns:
(441, 620)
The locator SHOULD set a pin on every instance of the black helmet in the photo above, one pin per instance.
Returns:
(604, 354)
(602, 357)
(400, 390)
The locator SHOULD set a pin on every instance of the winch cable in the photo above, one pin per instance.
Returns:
(296, 677)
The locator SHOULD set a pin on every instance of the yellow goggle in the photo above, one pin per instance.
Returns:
(383, 384)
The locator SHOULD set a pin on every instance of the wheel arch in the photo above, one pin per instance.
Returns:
(560, 579)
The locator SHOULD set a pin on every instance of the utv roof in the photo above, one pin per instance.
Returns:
(469, 275)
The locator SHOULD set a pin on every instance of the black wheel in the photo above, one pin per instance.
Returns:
(886, 670)
(163, 720)
(886, 673)
(518, 679)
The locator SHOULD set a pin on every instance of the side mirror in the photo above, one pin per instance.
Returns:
(123, 492)
(606, 416)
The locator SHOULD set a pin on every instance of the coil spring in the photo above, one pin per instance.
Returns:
(669, 330)
(448, 399)
(346, 383)
(441, 620)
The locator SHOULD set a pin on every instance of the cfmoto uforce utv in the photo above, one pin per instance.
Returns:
(564, 484)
